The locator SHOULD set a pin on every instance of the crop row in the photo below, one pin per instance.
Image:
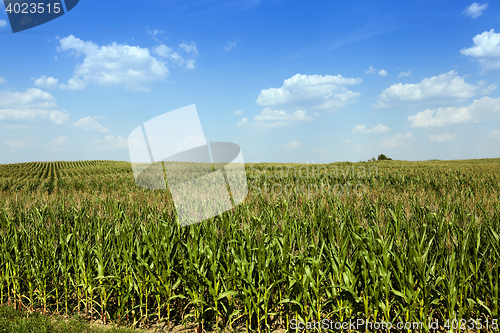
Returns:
(404, 250)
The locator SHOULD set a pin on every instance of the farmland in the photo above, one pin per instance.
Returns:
(382, 241)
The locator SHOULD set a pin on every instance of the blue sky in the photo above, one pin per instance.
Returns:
(288, 81)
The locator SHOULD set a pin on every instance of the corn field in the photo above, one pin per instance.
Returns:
(383, 241)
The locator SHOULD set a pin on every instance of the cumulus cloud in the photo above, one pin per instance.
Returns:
(58, 142)
(370, 70)
(396, 141)
(190, 64)
(444, 88)
(58, 117)
(111, 142)
(443, 137)
(47, 82)
(314, 91)
(238, 112)
(475, 10)
(167, 53)
(404, 74)
(485, 88)
(3, 23)
(483, 108)
(279, 118)
(33, 104)
(495, 135)
(375, 130)
(489, 89)
(293, 144)
(2, 80)
(91, 125)
(113, 64)
(242, 122)
(189, 48)
(486, 50)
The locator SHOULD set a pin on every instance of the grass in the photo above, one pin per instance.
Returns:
(16, 321)
(382, 241)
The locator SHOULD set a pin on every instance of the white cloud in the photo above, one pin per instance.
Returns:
(58, 117)
(91, 125)
(485, 107)
(495, 135)
(475, 10)
(46, 82)
(58, 142)
(77, 46)
(486, 89)
(242, 122)
(110, 142)
(370, 70)
(396, 141)
(190, 64)
(33, 98)
(404, 74)
(2, 80)
(443, 137)
(113, 64)
(22, 143)
(238, 112)
(189, 48)
(167, 53)
(276, 118)
(444, 88)
(486, 50)
(293, 144)
(31, 105)
(375, 130)
(230, 46)
(3, 23)
(315, 91)
(155, 32)
(489, 89)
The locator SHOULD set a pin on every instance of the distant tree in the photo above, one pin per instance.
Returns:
(372, 159)
(382, 157)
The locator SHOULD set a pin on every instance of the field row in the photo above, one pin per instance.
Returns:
(421, 242)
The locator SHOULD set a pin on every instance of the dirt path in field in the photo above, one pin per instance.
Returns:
(189, 328)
